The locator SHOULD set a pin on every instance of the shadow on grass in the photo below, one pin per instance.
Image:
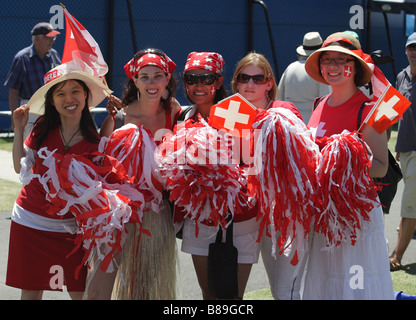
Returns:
(409, 268)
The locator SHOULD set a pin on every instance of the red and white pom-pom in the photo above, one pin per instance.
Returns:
(196, 166)
(348, 193)
(97, 192)
(134, 147)
(284, 178)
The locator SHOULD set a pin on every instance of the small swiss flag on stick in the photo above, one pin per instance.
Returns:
(387, 110)
(234, 115)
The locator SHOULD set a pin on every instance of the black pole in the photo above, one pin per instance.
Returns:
(386, 21)
(250, 25)
(269, 28)
(133, 33)
(110, 52)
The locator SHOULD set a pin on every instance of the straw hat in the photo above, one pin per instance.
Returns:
(67, 71)
(339, 42)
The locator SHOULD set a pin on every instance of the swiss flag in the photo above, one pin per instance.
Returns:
(234, 115)
(387, 110)
(81, 48)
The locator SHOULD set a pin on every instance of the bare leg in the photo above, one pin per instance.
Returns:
(31, 295)
(406, 230)
(76, 295)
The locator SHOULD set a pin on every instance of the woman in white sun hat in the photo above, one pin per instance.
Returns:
(40, 240)
(359, 271)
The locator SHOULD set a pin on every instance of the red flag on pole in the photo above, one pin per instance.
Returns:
(81, 48)
(234, 115)
(387, 110)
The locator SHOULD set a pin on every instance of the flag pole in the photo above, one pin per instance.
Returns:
(374, 109)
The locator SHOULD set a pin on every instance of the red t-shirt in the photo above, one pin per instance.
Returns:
(327, 121)
(32, 197)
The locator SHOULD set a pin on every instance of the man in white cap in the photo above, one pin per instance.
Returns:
(296, 85)
(406, 153)
(30, 65)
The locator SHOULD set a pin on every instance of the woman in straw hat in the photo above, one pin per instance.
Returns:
(147, 269)
(40, 240)
(360, 270)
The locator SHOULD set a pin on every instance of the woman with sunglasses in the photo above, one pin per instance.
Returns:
(359, 271)
(255, 81)
(203, 84)
(204, 87)
(150, 261)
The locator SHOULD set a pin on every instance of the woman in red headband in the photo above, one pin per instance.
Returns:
(148, 100)
(356, 267)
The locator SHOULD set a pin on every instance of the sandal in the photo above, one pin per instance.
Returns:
(394, 264)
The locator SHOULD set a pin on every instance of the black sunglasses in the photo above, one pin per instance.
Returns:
(205, 79)
(257, 78)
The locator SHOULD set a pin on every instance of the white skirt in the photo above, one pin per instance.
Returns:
(348, 272)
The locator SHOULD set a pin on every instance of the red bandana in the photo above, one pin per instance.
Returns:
(209, 61)
(133, 67)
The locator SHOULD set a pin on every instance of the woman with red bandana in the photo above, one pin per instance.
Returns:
(204, 87)
(147, 263)
(347, 271)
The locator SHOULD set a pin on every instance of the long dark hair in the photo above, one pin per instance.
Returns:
(51, 119)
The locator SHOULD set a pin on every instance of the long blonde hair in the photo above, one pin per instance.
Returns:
(259, 60)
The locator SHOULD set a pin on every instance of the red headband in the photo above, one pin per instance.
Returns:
(342, 42)
(209, 61)
(161, 61)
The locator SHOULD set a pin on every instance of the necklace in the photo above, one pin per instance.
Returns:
(66, 144)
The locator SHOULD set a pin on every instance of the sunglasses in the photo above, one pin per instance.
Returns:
(257, 78)
(337, 61)
(205, 79)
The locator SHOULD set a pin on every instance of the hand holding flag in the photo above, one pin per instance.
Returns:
(387, 110)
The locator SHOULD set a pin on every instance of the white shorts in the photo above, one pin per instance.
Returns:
(245, 236)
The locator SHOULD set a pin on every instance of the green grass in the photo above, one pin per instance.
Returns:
(8, 193)
(6, 144)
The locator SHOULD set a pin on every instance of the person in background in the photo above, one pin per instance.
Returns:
(406, 154)
(29, 67)
(296, 85)
(255, 81)
(40, 238)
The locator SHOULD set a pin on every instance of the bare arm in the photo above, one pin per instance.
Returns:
(20, 117)
(13, 99)
(107, 126)
(378, 145)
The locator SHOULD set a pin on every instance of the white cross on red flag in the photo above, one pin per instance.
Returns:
(387, 110)
(81, 48)
(234, 115)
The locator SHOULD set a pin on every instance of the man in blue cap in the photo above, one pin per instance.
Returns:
(406, 153)
(31, 64)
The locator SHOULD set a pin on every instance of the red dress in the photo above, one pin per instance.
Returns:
(39, 242)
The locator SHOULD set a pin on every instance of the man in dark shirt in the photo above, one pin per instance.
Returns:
(406, 153)
(31, 64)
